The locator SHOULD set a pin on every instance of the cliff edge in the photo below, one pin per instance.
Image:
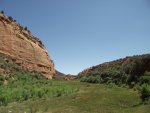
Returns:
(27, 51)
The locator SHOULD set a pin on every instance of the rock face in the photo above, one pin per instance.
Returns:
(27, 51)
(70, 77)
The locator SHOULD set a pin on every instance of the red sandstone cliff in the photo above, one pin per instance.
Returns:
(70, 77)
(27, 51)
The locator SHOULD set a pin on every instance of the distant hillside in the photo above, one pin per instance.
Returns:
(122, 71)
(59, 73)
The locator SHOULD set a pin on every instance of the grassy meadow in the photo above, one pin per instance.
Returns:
(30, 92)
(83, 98)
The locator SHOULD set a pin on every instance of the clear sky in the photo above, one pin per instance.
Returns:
(82, 33)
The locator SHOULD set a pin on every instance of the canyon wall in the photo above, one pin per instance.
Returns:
(27, 51)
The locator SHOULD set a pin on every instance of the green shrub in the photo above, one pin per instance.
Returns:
(24, 85)
(111, 85)
(147, 73)
(113, 76)
(132, 84)
(10, 18)
(2, 78)
(90, 79)
(144, 93)
(145, 78)
(137, 87)
(84, 79)
(5, 98)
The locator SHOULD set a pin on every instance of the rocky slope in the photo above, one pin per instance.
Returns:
(23, 48)
(127, 71)
(140, 63)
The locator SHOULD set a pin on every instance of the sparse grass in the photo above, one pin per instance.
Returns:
(91, 98)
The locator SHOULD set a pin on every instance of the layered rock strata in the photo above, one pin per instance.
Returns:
(27, 51)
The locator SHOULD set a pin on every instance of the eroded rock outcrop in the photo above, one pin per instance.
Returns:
(70, 77)
(27, 51)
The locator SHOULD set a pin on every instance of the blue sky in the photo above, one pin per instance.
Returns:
(82, 33)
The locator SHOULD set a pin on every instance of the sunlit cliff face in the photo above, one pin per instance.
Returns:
(28, 51)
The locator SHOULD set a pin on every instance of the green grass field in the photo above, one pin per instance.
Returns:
(90, 98)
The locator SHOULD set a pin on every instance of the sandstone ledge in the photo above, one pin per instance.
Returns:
(27, 51)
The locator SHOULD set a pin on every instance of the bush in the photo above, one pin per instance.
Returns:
(147, 73)
(2, 78)
(11, 18)
(4, 98)
(111, 85)
(113, 76)
(23, 86)
(145, 78)
(2, 12)
(132, 84)
(84, 79)
(144, 93)
(90, 79)
(26, 28)
(108, 76)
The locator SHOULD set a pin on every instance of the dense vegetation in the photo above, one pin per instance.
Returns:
(130, 71)
(17, 85)
(30, 90)
(24, 86)
(91, 98)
